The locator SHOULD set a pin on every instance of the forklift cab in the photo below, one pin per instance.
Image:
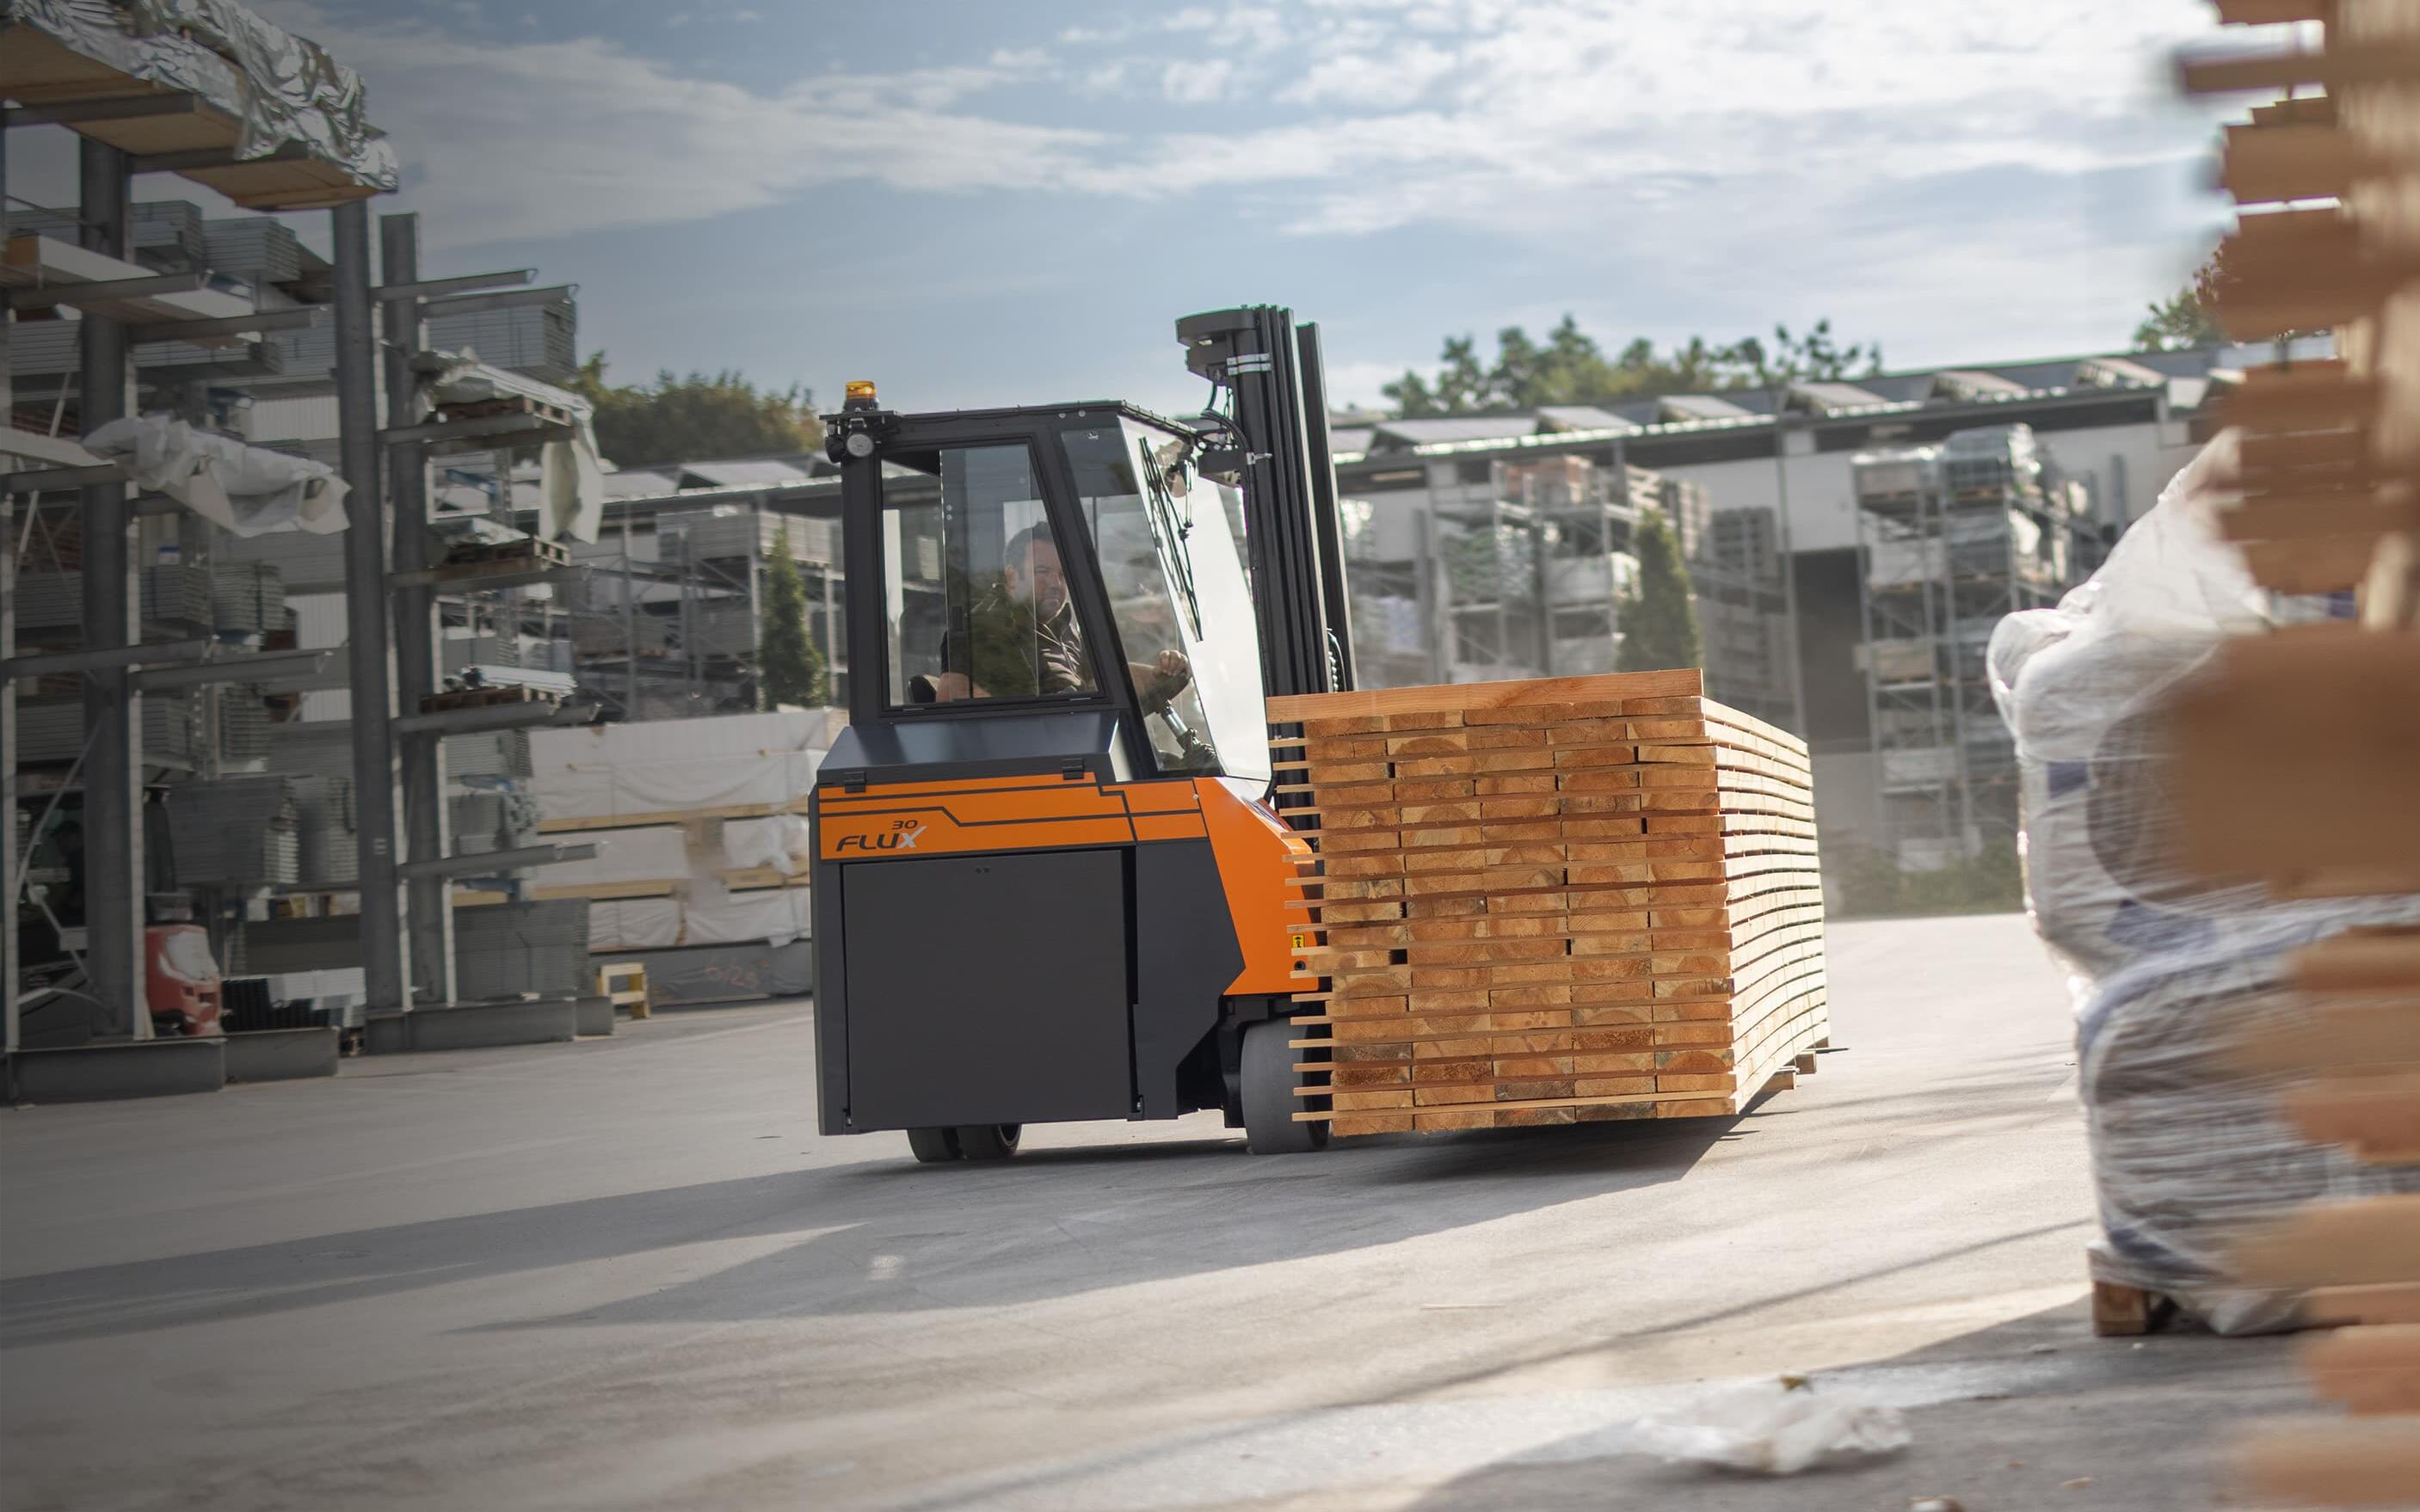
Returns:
(1047, 885)
(1042, 562)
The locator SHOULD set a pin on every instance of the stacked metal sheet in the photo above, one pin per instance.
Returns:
(234, 832)
(53, 729)
(246, 597)
(537, 340)
(314, 748)
(324, 823)
(507, 949)
(166, 234)
(244, 722)
(734, 532)
(49, 600)
(477, 650)
(254, 247)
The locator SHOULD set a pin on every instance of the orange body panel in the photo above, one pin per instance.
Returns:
(1256, 854)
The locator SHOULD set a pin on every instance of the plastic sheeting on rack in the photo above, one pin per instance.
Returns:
(249, 490)
(571, 473)
(2167, 967)
(281, 88)
(668, 766)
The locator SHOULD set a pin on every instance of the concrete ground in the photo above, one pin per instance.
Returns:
(629, 1275)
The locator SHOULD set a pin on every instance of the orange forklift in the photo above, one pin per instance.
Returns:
(1050, 883)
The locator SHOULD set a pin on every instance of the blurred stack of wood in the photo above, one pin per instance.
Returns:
(2300, 755)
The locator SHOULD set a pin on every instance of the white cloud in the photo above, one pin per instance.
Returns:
(1196, 84)
(1527, 117)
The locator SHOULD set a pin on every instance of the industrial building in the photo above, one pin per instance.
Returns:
(1778, 472)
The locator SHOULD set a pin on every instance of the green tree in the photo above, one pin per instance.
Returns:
(1659, 624)
(793, 669)
(1570, 367)
(679, 419)
(2188, 317)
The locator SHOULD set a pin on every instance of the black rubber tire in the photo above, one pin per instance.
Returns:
(1270, 1081)
(988, 1141)
(933, 1146)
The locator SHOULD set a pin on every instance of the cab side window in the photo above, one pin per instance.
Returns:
(976, 594)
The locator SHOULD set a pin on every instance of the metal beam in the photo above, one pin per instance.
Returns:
(244, 669)
(120, 108)
(231, 325)
(113, 797)
(487, 428)
(386, 967)
(480, 718)
(418, 659)
(461, 579)
(483, 861)
(201, 158)
(41, 480)
(432, 288)
(508, 300)
(59, 663)
(78, 296)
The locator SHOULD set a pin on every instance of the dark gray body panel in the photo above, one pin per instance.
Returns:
(988, 989)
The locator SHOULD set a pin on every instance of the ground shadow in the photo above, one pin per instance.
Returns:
(2035, 1412)
(886, 1235)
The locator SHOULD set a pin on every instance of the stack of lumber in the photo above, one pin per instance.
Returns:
(1550, 902)
(2298, 752)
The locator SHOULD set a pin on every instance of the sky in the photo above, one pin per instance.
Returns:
(978, 202)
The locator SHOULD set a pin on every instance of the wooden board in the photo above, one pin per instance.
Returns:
(1549, 901)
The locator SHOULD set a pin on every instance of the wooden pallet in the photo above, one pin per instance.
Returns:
(508, 404)
(625, 984)
(527, 552)
(1550, 902)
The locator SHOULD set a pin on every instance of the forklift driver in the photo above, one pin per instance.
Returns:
(1022, 637)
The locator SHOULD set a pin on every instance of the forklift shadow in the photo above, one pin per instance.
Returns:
(1055, 1224)
(890, 1237)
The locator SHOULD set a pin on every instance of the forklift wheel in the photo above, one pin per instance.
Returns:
(1269, 1103)
(988, 1141)
(933, 1146)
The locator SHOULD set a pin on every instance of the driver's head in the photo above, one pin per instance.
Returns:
(1033, 570)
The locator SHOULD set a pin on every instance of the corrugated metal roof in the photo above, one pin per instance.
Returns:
(1700, 407)
(1467, 428)
(1970, 383)
(2117, 372)
(1824, 397)
(1581, 417)
(740, 474)
(637, 482)
(1355, 438)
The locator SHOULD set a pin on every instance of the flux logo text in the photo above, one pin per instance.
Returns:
(902, 836)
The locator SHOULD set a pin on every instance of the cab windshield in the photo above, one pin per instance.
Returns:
(1174, 582)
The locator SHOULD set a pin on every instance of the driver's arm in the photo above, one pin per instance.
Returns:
(1159, 681)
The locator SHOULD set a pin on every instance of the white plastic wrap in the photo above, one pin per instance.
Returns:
(2187, 1148)
(1778, 1428)
(2167, 968)
(247, 490)
(281, 87)
(677, 765)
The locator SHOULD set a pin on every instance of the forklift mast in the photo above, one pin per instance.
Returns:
(1272, 369)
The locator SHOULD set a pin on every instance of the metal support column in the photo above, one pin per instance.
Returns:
(417, 664)
(386, 968)
(8, 965)
(113, 774)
